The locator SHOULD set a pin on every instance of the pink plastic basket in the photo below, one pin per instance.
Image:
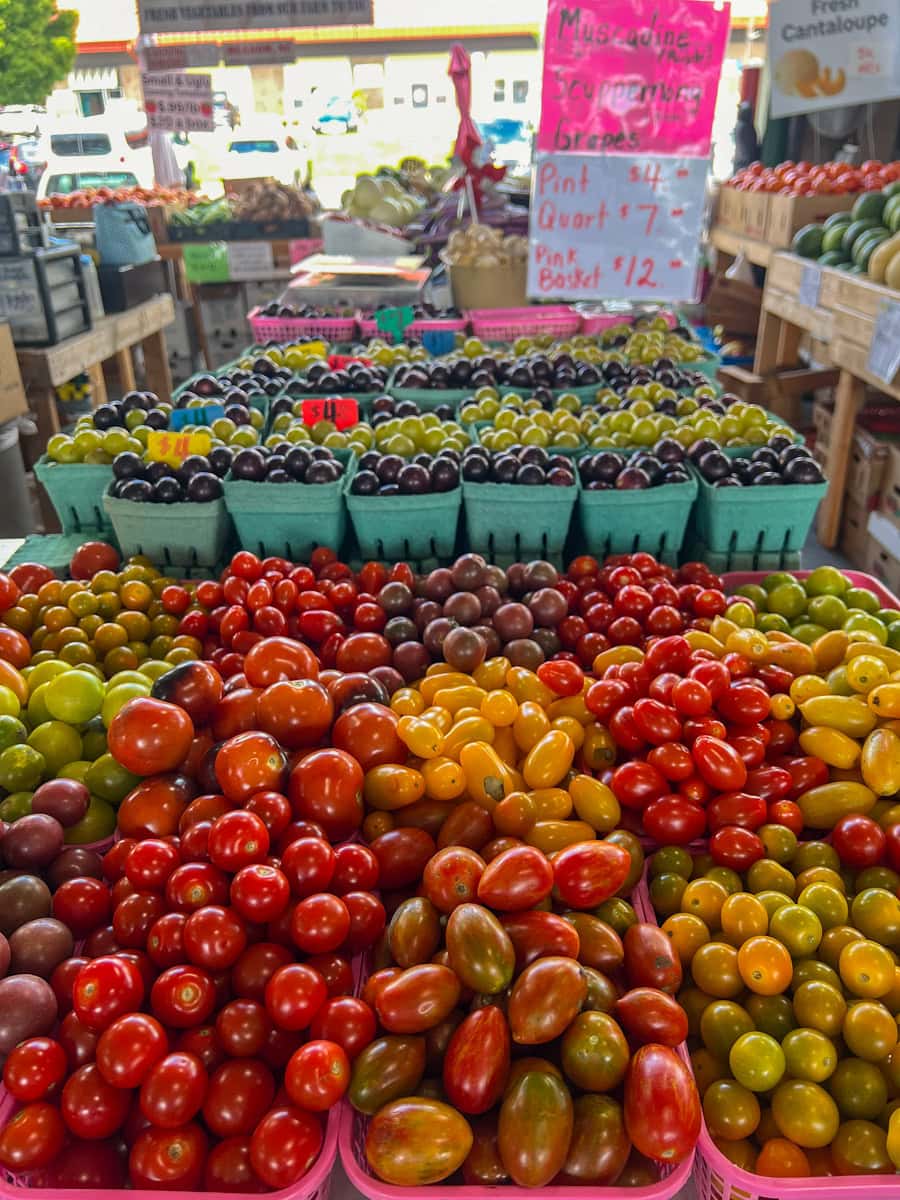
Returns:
(368, 327)
(283, 329)
(353, 1156)
(506, 324)
(598, 322)
(315, 1184)
(735, 579)
(352, 1145)
(715, 1176)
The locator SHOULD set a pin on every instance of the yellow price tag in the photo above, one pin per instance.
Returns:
(174, 447)
(315, 349)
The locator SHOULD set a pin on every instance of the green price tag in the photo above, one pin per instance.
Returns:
(207, 262)
(395, 320)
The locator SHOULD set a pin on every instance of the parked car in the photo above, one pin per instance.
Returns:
(91, 153)
(338, 116)
(26, 161)
(263, 150)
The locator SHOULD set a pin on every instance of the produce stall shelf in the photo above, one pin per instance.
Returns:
(113, 336)
(729, 242)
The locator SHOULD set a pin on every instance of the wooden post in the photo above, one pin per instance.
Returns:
(98, 385)
(849, 399)
(125, 368)
(156, 365)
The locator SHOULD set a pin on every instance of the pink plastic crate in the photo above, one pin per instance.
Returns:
(506, 324)
(715, 1176)
(735, 579)
(353, 1156)
(283, 329)
(315, 1185)
(352, 1143)
(368, 327)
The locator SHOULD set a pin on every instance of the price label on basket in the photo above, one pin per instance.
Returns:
(179, 417)
(174, 448)
(810, 283)
(395, 320)
(343, 411)
(884, 353)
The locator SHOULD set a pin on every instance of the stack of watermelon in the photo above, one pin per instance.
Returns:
(863, 241)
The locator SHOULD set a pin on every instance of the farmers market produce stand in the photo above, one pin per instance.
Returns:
(114, 336)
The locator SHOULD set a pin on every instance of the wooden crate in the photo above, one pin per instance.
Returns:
(787, 214)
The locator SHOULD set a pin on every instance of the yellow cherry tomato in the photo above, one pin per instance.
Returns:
(805, 687)
(444, 779)
(500, 708)
(866, 672)
(884, 701)
(548, 760)
(461, 696)
(421, 738)
(441, 681)
(598, 750)
(849, 714)
(782, 707)
(487, 778)
(530, 725)
(832, 746)
(469, 729)
(595, 803)
(551, 803)
(550, 836)
(491, 675)
(880, 763)
(389, 787)
(525, 685)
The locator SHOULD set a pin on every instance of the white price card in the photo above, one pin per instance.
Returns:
(810, 283)
(250, 260)
(198, 16)
(884, 353)
(615, 227)
(175, 101)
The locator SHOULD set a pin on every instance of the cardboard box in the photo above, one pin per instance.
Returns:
(787, 214)
(734, 305)
(883, 559)
(730, 212)
(866, 468)
(12, 393)
(854, 540)
(890, 488)
(756, 214)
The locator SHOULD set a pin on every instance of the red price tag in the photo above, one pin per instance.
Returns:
(342, 410)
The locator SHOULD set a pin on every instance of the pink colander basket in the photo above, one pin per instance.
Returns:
(736, 579)
(284, 329)
(506, 324)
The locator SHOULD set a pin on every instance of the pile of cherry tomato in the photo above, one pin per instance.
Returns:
(376, 839)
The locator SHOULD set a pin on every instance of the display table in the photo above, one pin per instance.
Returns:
(112, 337)
(729, 242)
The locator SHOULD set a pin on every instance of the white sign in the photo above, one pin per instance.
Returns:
(615, 227)
(175, 101)
(810, 284)
(179, 58)
(197, 16)
(831, 53)
(884, 353)
(239, 54)
(250, 260)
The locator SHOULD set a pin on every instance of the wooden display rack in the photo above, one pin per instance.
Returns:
(841, 323)
(112, 337)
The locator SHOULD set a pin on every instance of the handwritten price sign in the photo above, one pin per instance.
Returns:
(616, 227)
(631, 78)
(174, 448)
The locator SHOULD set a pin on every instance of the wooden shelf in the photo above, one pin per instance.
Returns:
(759, 253)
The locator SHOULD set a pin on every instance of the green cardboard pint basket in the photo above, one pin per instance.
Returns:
(182, 535)
(514, 519)
(406, 527)
(76, 492)
(756, 519)
(622, 522)
(289, 519)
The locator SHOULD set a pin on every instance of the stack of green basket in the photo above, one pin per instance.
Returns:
(506, 520)
(289, 519)
(76, 492)
(179, 535)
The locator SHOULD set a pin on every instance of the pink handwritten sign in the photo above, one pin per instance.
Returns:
(631, 78)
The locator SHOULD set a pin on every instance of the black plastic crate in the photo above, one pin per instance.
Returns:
(125, 287)
(21, 228)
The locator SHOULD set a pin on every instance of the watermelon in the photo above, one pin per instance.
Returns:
(864, 247)
(838, 218)
(869, 204)
(891, 215)
(833, 258)
(854, 230)
(807, 242)
(833, 238)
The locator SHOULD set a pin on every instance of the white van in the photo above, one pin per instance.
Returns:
(92, 154)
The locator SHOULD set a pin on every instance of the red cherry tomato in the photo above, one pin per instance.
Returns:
(718, 763)
(673, 821)
(317, 1075)
(859, 841)
(34, 1068)
(736, 848)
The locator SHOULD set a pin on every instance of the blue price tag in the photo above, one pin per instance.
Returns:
(179, 417)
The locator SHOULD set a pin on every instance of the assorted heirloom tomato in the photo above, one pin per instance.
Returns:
(377, 841)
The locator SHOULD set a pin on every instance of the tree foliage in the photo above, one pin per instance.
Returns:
(37, 49)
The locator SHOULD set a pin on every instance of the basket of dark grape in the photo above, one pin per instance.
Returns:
(438, 381)
(282, 322)
(763, 503)
(638, 502)
(406, 510)
(174, 515)
(358, 379)
(287, 500)
(518, 502)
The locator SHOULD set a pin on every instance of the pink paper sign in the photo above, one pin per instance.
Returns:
(631, 78)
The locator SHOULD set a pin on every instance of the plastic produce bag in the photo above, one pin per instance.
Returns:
(123, 234)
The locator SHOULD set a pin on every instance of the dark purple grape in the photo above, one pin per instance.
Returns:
(204, 487)
(220, 458)
(168, 491)
(138, 490)
(324, 471)
(414, 480)
(128, 465)
(249, 463)
(364, 483)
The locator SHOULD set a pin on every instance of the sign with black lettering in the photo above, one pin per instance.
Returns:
(828, 53)
(633, 77)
